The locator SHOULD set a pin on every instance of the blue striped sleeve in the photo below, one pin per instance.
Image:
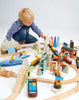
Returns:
(36, 29)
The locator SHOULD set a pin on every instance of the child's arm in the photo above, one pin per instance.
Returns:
(37, 31)
(43, 36)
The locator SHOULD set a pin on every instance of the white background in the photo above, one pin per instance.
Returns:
(55, 17)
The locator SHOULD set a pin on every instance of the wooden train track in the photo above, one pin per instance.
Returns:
(57, 97)
(16, 53)
(20, 46)
(65, 94)
(18, 85)
(70, 92)
(25, 45)
(75, 79)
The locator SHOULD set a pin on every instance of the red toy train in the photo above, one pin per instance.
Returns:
(67, 60)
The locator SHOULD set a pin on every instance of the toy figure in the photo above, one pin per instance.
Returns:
(19, 30)
(39, 71)
(71, 44)
(58, 79)
(77, 62)
(61, 56)
(57, 87)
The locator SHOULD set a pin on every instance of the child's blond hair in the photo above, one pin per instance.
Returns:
(26, 15)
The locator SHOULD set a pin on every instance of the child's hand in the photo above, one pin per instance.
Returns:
(43, 36)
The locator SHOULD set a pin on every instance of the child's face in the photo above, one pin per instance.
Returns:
(27, 23)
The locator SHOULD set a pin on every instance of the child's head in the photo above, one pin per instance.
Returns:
(26, 16)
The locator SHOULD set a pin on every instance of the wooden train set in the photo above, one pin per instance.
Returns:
(21, 46)
(60, 96)
(24, 73)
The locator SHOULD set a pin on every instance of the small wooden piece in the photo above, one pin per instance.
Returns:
(7, 74)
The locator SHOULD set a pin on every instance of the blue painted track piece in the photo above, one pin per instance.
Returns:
(25, 55)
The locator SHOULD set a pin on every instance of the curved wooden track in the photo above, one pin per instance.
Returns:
(18, 85)
(57, 97)
(65, 94)
(75, 79)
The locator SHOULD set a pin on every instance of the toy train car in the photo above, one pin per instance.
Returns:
(67, 60)
(54, 57)
(35, 61)
(55, 52)
(53, 49)
(50, 44)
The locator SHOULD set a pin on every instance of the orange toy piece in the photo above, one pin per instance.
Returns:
(37, 57)
(23, 52)
(12, 58)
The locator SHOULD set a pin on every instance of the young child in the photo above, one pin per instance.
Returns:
(19, 30)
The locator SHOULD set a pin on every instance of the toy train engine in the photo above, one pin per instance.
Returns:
(55, 52)
(50, 44)
(35, 61)
(54, 57)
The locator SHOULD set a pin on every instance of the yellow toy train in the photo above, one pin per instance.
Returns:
(55, 52)
(35, 61)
